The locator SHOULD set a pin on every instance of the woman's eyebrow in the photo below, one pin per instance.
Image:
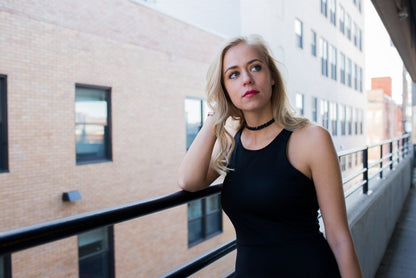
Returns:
(248, 63)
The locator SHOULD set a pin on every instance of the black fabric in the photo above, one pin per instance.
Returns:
(273, 208)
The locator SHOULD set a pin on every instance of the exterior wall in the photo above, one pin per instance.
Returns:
(274, 20)
(151, 62)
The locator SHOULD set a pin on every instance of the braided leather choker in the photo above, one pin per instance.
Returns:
(260, 126)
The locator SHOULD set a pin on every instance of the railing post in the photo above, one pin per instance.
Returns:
(398, 151)
(391, 154)
(365, 173)
(381, 161)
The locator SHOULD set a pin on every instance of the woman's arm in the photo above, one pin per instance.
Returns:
(196, 171)
(325, 172)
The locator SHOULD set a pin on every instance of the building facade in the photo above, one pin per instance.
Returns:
(93, 100)
(101, 99)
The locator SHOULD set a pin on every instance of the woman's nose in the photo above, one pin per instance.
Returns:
(247, 78)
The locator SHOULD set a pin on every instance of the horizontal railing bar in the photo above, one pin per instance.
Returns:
(355, 188)
(202, 261)
(351, 151)
(30, 236)
(353, 176)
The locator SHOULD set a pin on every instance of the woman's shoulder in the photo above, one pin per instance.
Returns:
(311, 136)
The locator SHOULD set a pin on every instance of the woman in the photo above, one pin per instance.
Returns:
(280, 169)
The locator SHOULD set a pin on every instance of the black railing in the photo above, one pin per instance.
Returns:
(31, 236)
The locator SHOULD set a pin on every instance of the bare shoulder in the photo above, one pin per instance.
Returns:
(312, 135)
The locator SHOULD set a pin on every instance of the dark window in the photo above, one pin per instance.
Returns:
(349, 72)
(313, 44)
(299, 33)
(315, 109)
(5, 266)
(300, 104)
(333, 110)
(333, 62)
(96, 253)
(332, 12)
(324, 113)
(324, 56)
(195, 113)
(92, 123)
(324, 7)
(341, 117)
(355, 77)
(342, 19)
(348, 26)
(361, 79)
(4, 150)
(204, 219)
(342, 69)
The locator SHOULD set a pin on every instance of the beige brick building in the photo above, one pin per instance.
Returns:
(149, 64)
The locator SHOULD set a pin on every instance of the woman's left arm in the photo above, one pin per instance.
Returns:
(325, 171)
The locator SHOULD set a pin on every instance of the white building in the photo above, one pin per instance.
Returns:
(319, 44)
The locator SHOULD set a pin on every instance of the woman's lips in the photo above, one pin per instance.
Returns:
(250, 93)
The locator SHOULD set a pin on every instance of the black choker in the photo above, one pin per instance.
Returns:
(260, 126)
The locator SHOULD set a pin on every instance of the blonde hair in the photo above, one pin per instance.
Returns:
(219, 100)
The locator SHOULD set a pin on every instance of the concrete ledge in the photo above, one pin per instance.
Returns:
(372, 217)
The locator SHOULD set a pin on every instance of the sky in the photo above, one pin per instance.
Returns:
(381, 57)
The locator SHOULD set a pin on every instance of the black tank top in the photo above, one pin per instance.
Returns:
(274, 210)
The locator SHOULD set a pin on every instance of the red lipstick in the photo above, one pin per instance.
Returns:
(250, 93)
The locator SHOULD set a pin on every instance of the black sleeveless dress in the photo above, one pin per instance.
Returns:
(273, 208)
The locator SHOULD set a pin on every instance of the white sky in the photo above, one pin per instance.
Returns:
(381, 57)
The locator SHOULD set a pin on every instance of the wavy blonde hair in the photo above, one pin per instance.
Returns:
(220, 102)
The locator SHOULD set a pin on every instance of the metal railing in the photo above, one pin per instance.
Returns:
(35, 235)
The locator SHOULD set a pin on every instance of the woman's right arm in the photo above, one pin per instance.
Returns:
(196, 171)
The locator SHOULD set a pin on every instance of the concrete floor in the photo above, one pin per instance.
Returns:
(399, 260)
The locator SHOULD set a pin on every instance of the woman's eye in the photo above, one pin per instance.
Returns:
(233, 75)
(256, 68)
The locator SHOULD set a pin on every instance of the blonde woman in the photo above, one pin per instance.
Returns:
(279, 170)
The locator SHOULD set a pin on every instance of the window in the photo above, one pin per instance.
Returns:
(360, 46)
(342, 68)
(92, 124)
(300, 104)
(5, 266)
(324, 113)
(204, 215)
(359, 5)
(342, 19)
(361, 121)
(315, 109)
(313, 44)
(355, 33)
(356, 120)
(355, 77)
(195, 114)
(348, 116)
(341, 116)
(324, 7)
(348, 26)
(4, 150)
(299, 33)
(360, 79)
(343, 163)
(96, 253)
(333, 114)
(332, 12)
(204, 219)
(349, 69)
(333, 62)
(323, 46)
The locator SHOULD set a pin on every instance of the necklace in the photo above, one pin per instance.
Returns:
(260, 126)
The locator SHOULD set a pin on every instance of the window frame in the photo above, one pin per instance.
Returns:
(314, 44)
(4, 139)
(324, 56)
(342, 19)
(204, 220)
(203, 115)
(324, 7)
(109, 250)
(7, 265)
(108, 141)
(333, 12)
(342, 68)
(300, 103)
(299, 33)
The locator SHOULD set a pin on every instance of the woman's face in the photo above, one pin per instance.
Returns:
(247, 78)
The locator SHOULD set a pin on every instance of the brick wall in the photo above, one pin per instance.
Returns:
(151, 62)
